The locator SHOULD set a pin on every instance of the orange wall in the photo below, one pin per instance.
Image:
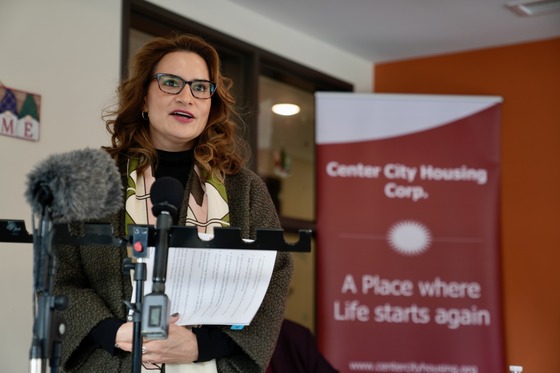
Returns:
(527, 76)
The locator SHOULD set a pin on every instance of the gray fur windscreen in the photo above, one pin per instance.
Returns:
(79, 185)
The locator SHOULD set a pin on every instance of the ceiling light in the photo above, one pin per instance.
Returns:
(534, 8)
(285, 109)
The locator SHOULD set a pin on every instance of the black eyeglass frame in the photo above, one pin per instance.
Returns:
(185, 83)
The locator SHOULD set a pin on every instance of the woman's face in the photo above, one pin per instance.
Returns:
(176, 120)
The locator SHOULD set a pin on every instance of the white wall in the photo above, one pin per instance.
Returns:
(68, 51)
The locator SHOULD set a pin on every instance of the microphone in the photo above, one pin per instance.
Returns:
(166, 195)
(76, 186)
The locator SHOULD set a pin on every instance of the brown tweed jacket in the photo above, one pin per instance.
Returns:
(92, 278)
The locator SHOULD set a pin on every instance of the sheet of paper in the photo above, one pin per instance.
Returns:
(215, 286)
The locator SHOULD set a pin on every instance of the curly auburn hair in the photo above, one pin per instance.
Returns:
(218, 149)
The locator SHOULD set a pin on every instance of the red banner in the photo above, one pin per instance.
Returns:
(408, 260)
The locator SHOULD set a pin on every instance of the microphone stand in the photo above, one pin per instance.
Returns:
(139, 277)
(155, 322)
(150, 312)
(48, 326)
(139, 251)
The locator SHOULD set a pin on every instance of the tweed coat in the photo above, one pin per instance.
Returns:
(92, 278)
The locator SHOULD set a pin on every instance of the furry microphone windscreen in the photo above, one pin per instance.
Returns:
(76, 186)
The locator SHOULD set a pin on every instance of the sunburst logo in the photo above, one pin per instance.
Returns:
(409, 237)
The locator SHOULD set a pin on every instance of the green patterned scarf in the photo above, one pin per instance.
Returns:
(208, 202)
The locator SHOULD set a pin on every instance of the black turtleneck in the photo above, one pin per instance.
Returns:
(174, 164)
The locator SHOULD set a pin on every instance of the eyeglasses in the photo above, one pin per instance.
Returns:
(173, 85)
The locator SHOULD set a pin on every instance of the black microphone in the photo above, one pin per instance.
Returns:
(76, 186)
(166, 195)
